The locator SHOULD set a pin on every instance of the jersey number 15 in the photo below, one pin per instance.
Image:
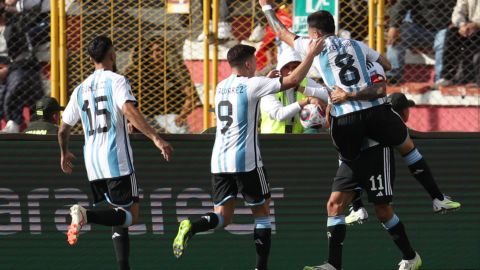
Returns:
(98, 113)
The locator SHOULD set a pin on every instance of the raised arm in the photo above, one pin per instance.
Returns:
(136, 118)
(280, 30)
(296, 77)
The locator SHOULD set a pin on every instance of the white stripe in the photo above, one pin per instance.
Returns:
(265, 181)
(262, 181)
(387, 166)
(135, 184)
(131, 185)
(389, 170)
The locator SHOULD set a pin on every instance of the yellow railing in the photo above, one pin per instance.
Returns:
(376, 25)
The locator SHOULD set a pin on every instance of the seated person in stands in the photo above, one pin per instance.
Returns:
(461, 61)
(20, 80)
(162, 85)
(426, 29)
(47, 115)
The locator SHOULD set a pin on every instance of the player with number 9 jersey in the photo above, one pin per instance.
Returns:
(237, 111)
(107, 150)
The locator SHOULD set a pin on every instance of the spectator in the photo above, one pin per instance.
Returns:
(224, 28)
(280, 112)
(35, 18)
(462, 45)
(428, 26)
(47, 115)
(161, 83)
(21, 84)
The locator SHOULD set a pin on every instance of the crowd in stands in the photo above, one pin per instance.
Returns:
(449, 29)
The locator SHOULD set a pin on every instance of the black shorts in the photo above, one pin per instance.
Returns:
(380, 123)
(120, 191)
(253, 185)
(373, 171)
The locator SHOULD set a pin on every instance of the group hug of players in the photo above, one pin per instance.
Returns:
(364, 130)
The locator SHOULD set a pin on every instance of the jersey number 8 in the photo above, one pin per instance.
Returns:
(348, 74)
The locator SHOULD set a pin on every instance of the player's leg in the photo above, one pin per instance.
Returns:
(377, 175)
(120, 237)
(343, 192)
(118, 193)
(255, 188)
(387, 127)
(224, 194)
(390, 221)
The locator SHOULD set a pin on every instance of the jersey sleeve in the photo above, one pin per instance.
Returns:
(262, 86)
(370, 54)
(122, 92)
(301, 45)
(71, 114)
(276, 111)
(314, 89)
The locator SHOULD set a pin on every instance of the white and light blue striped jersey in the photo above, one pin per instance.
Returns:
(237, 111)
(343, 63)
(98, 102)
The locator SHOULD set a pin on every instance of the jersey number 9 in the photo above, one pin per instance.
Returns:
(225, 117)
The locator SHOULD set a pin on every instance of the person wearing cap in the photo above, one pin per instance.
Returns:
(47, 114)
(401, 105)
(280, 111)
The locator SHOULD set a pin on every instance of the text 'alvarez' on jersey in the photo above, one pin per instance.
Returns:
(343, 63)
(98, 102)
(237, 111)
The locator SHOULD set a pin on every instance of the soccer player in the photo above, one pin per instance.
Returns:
(104, 102)
(236, 164)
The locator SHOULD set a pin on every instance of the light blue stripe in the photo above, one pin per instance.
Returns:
(257, 203)
(220, 220)
(391, 223)
(336, 220)
(94, 149)
(127, 150)
(242, 119)
(224, 200)
(112, 139)
(222, 151)
(83, 114)
(363, 65)
(263, 223)
(412, 157)
(329, 77)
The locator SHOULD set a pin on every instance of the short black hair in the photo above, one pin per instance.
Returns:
(238, 54)
(98, 48)
(323, 21)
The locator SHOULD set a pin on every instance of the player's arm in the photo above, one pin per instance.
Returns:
(383, 61)
(136, 118)
(297, 76)
(278, 27)
(270, 105)
(377, 90)
(66, 157)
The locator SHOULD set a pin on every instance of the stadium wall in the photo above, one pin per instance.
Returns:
(35, 196)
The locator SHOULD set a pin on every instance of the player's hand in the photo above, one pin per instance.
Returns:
(273, 74)
(263, 2)
(66, 162)
(393, 35)
(130, 128)
(316, 46)
(338, 95)
(164, 147)
(327, 115)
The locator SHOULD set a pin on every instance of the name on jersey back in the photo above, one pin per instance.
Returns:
(239, 89)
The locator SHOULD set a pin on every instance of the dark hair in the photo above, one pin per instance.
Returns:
(98, 48)
(238, 54)
(323, 21)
